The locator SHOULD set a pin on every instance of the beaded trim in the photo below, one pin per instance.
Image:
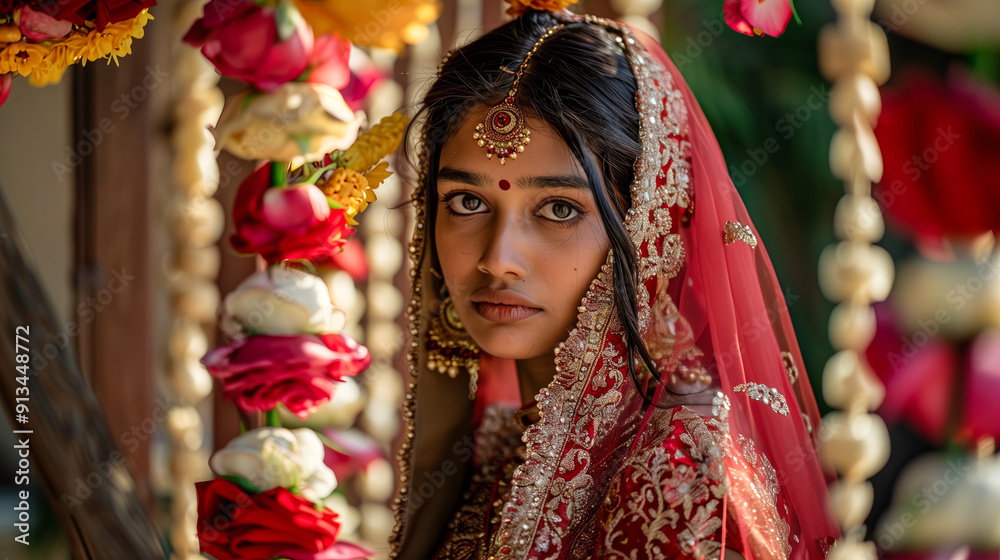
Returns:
(766, 395)
(736, 231)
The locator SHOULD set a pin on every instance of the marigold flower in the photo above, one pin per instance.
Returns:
(22, 57)
(380, 141)
(518, 7)
(349, 189)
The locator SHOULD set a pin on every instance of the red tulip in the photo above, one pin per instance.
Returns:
(758, 17)
(322, 234)
(294, 209)
(243, 41)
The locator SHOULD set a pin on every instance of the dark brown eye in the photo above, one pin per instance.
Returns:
(559, 211)
(464, 203)
(471, 203)
(562, 211)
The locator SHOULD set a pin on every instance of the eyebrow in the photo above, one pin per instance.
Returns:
(533, 182)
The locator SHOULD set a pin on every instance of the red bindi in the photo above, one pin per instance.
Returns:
(504, 185)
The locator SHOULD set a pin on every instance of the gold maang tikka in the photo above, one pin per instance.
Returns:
(503, 133)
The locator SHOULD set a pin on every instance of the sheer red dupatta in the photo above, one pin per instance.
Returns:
(731, 298)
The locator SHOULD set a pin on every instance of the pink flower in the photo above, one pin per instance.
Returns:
(328, 62)
(918, 372)
(359, 451)
(294, 209)
(277, 234)
(758, 17)
(301, 372)
(243, 41)
(39, 26)
(982, 385)
(5, 81)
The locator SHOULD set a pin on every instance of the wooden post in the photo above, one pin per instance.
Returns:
(71, 450)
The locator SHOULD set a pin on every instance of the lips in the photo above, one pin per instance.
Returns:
(503, 306)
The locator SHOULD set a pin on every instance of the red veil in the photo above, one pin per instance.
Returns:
(710, 306)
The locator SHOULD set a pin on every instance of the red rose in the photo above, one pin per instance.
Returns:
(301, 371)
(315, 235)
(234, 524)
(938, 143)
(101, 12)
(242, 40)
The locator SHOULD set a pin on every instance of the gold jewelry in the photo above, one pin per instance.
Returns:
(503, 133)
(450, 348)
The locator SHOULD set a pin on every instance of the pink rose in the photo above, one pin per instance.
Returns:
(758, 17)
(39, 26)
(328, 61)
(243, 41)
(300, 372)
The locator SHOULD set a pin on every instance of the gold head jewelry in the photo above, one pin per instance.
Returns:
(503, 133)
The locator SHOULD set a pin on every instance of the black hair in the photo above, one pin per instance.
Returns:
(581, 85)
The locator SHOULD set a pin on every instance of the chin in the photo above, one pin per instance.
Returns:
(511, 342)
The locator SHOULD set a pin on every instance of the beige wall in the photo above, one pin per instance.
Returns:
(35, 133)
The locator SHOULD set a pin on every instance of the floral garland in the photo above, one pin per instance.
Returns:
(272, 489)
(40, 40)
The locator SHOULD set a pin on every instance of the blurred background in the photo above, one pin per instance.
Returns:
(98, 172)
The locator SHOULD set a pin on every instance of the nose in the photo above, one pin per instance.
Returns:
(503, 256)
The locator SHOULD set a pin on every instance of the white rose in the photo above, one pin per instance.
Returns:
(281, 301)
(273, 457)
(297, 122)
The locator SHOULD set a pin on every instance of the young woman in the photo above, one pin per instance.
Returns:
(602, 365)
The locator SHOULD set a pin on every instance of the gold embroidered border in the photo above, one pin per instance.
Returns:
(736, 231)
(766, 395)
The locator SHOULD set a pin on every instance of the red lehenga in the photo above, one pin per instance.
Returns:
(595, 473)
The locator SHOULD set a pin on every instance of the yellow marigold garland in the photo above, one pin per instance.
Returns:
(518, 7)
(45, 62)
(372, 146)
(350, 190)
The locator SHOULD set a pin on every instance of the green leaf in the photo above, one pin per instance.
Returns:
(287, 18)
(242, 483)
(319, 172)
(794, 12)
(272, 418)
(279, 174)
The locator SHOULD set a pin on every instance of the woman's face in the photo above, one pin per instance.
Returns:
(518, 243)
